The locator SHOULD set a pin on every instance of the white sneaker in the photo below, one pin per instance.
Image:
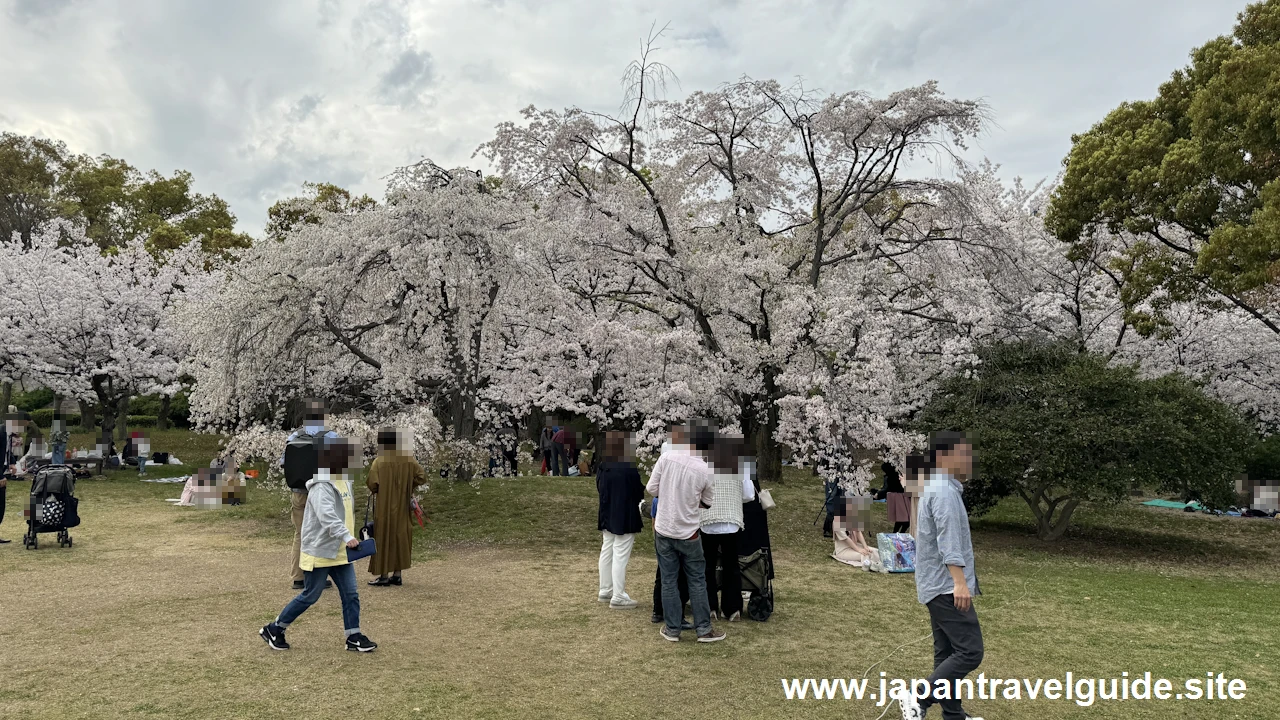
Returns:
(910, 706)
(605, 597)
(625, 603)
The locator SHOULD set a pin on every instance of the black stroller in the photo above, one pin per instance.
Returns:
(53, 507)
(755, 560)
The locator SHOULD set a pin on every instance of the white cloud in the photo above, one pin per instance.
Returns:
(256, 98)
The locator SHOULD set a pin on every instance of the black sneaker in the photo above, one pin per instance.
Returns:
(655, 618)
(274, 637)
(298, 585)
(360, 643)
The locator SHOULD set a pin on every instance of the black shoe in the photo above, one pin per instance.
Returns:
(655, 618)
(298, 585)
(380, 582)
(397, 580)
(3, 542)
(360, 643)
(328, 584)
(274, 637)
(685, 625)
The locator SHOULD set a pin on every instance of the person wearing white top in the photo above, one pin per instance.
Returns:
(722, 526)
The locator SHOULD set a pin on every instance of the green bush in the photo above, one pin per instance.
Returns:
(34, 400)
(44, 418)
(141, 421)
(1058, 428)
(179, 408)
(1264, 463)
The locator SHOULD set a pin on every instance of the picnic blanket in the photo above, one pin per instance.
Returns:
(1173, 505)
(165, 480)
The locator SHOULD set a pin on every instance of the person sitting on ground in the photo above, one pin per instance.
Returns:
(618, 520)
(391, 481)
(328, 529)
(850, 543)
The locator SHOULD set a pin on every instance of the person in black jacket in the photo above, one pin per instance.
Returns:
(621, 491)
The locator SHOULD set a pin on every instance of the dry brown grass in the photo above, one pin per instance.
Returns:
(152, 615)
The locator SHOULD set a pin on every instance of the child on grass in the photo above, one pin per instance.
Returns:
(328, 528)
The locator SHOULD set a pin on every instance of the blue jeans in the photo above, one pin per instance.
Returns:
(59, 454)
(671, 553)
(344, 577)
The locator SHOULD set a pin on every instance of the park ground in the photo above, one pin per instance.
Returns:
(154, 613)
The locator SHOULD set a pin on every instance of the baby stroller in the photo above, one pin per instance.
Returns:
(757, 579)
(755, 560)
(53, 506)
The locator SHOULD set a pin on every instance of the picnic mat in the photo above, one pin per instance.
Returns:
(1171, 504)
(164, 480)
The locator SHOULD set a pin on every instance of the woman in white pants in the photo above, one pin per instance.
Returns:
(621, 491)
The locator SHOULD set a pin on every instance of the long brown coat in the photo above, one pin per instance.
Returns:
(393, 476)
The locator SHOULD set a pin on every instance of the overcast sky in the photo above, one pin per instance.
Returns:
(256, 97)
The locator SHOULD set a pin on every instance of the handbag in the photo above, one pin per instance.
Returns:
(363, 550)
(766, 500)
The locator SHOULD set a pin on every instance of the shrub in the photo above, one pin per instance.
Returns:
(1058, 428)
(142, 421)
(34, 400)
(44, 418)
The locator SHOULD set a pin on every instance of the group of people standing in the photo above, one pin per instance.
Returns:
(700, 485)
(324, 520)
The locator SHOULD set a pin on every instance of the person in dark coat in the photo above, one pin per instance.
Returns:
(621, 492)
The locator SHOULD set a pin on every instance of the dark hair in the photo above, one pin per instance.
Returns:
(944, 441)
(315, 410)
(726, 453)
(917, 463)
(615, 445)
(701, 437)
(387, 438)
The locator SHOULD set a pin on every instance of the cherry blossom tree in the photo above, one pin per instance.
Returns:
(742, 214)
(89, 325)
(380, 310)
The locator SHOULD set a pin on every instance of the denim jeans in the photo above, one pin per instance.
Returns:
(671, 553)
(344, 577)
(59, 454)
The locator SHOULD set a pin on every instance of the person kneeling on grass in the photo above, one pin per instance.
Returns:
(328, 528)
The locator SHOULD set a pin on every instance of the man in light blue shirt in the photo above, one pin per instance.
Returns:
(313, 424)
(945, 579)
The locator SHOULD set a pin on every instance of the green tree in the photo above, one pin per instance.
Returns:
(287, 214)
(1194, 173)
(30, 169)
(1059, 428)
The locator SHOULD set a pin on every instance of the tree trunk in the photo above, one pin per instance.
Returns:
(122, 417)
(88, 415)
(162, 420)
(6, 394)
(1051, 528)
(770, 460)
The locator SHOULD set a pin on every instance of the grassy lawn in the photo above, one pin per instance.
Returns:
(154, 612)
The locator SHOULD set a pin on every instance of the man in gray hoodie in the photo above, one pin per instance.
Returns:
(328, 529)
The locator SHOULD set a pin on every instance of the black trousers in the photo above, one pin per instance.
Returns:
(957, 649)
(2, 502)
(723, 550)
(901, 527)
(681, 581)
(510, 456)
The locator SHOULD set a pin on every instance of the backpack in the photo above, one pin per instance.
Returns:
(302, 459)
